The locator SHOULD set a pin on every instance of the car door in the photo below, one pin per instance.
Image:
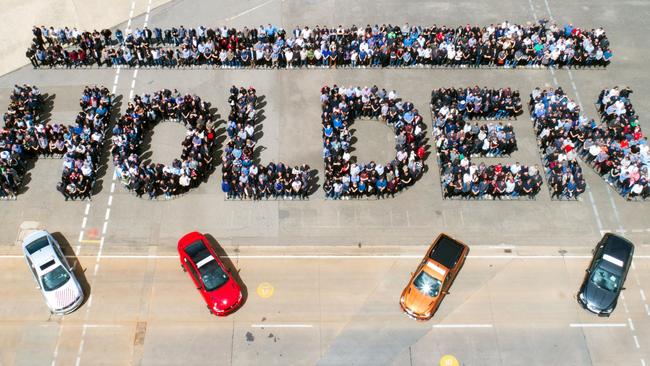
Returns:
(32, 270)
(191, 269)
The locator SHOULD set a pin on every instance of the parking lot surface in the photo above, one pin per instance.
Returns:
(336, 267)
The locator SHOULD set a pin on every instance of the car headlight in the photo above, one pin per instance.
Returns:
(401, 300)
(607, 311)
(581, 296)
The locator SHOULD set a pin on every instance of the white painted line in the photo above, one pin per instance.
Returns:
(131, 95)
(595, 210)
(105, 227)
(597, 325)
(636, 342)
(282, 326)
(629, 320)
(81, 235)
(117, 78)
(642, 294)
(643, 362)
(113, 186)
(132, 83)
(108, 214)
(462, 326)
(87, 209)
(249, 10)
(83, 222)
(647, 309)
(101, 248)
(96, 269)
(627, 311)
(110, 200)
(548, 8)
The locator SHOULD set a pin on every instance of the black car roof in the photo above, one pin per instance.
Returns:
(617, 247)
(197, 251)
(446, 251)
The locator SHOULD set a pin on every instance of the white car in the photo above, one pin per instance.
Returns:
(52, 273)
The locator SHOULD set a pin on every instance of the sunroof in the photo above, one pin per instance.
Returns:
(47, 264)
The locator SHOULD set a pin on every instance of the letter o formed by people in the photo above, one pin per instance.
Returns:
(159, 180)
(344, 176)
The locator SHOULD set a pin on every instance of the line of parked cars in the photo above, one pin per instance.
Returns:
(420, 299)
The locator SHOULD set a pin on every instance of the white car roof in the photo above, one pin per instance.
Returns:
(43, 255)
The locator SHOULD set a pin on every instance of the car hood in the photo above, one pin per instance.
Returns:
(416, 302)
(598, 298)
(225, 296)
(64, 296)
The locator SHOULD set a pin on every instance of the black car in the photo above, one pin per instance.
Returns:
(606, 274)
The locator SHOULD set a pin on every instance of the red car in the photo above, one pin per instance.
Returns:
(211, 277)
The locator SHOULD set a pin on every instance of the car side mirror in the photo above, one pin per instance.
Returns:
(622, 288)
(447, 292)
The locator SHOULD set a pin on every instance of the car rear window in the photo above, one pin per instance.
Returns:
(37, 245)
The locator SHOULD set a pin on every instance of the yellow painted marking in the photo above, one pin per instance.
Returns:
(449, 360)
(89, 241)
(265, 290)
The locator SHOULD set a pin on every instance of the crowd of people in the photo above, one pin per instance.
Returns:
(242, 176)
(27, 136)
(616, 148)
(83, 143)
(507, 45)
(621, 139)
(19, 125)
(458, 140)
(345, 177)
(197, 157)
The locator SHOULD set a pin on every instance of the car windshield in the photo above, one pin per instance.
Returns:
(55, 278)
(37, 245)
(605, 279)
(212, 275)
(427, 285)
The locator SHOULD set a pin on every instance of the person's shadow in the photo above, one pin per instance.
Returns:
(75, 264)
(232, 269)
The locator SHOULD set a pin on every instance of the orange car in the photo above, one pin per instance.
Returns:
(431, 281)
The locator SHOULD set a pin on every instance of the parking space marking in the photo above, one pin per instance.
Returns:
(462, 326)
(597, 325)
(636, 342)
(282, 326)
(629, 320)
(249, 10)
(641, 292)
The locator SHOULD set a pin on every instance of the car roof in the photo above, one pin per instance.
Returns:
(197, 251)
(617, 247)
(45, 259)
(446, 251)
